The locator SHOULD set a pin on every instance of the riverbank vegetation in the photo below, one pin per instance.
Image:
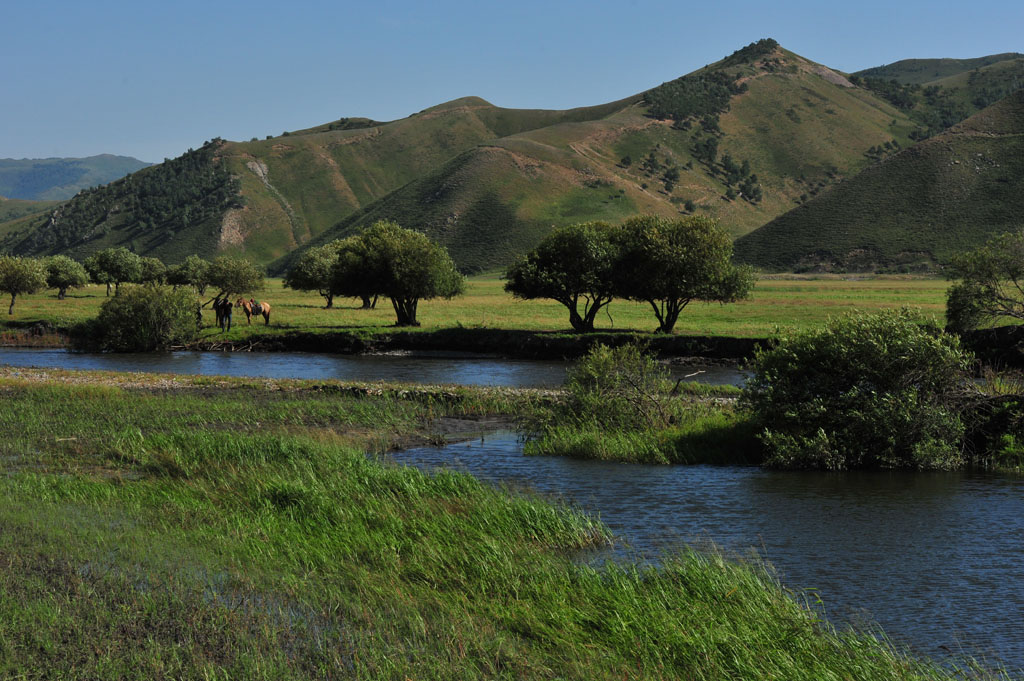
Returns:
(620, 405)
(157, 527)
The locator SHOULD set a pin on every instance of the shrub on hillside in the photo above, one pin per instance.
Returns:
(887, 390)
(145, 318)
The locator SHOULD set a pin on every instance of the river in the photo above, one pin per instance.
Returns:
(433, 368)
(935, 559)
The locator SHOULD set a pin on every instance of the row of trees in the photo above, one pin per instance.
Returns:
(666, 263)
(116, 266)
(385, 260)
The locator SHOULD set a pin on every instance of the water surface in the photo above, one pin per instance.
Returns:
(434, 368)
(935, 559)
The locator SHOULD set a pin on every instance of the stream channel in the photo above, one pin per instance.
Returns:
(935, 559)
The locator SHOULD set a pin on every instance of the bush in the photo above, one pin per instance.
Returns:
(144, 318)
(887, 390)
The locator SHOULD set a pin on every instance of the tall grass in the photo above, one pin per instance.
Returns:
(158, 532)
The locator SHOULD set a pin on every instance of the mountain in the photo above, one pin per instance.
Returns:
(913, 210)
(55, 179)
(922, 71)
(745, 140)
(12, 209)
(939, 93)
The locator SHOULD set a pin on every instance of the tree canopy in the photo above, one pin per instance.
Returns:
(194, 271)
(312, 270)
(114, 266)
(233, 276)
(670, 263)
(991, 283)
(667, 263)
(21, 275)
(574, 265)
(63, 273)
(399, 263)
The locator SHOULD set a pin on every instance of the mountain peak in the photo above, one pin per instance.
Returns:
(460, 103)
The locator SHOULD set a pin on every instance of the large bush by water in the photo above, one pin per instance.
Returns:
(144, 318)
(879, 390)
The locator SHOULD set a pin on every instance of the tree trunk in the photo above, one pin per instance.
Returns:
(108, 289)
(61, 292)
(10, 310)
(579, 324)
(405, 311)
(330, 300)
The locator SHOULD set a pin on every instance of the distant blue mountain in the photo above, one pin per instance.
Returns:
(54, 179)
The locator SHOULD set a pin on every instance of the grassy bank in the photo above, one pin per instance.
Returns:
(798, 302)
(173, 527)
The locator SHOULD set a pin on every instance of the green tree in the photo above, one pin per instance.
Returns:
(346, 272)
(194, 272)
(63, 273)
(152, 271)
(991, 285)
(232, 276)
(96, 273)
(574, 265)
(146, 318)
(671, 263)
(403, 265)
(312, 271)
(21, 275)
(115, 265)
(866, 391)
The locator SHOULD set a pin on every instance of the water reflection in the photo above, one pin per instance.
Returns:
(935, 559)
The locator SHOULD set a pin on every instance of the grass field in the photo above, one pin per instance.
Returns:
(157, 527)
(777, 302)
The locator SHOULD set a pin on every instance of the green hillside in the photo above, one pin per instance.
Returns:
(744, 140)
(170, 210)
(55, 179)
(782, 127)
(11, 209)
(920, 71)
(912, 211)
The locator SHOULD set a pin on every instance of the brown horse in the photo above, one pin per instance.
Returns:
(260, 309)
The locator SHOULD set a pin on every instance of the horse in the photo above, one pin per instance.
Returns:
(261, 308)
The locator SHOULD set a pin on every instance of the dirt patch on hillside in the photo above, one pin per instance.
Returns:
(231, 229)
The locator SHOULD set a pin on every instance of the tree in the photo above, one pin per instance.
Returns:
(403, 265)
(96, 274)
(345, 275)
(312, 271)
(194, 271)
(233, 276)
(151, 271)
(115, 265)
(21, 275)
(146, 318)
(63, 273)
(991, 283)
(670, 263)
(572, 265)
(866, 391)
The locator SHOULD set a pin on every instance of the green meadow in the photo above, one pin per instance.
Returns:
(169, 527)
(777, 302)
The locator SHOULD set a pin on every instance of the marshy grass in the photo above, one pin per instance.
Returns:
(178, 528)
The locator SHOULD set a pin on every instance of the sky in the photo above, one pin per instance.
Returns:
(153, 79)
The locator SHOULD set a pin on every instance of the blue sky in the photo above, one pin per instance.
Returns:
(150, 80)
